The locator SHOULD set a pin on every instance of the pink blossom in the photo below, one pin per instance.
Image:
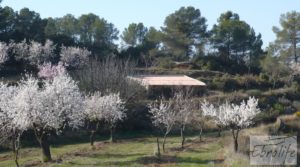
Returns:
(49, 71)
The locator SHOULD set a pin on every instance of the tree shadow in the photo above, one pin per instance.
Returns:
(175, 159)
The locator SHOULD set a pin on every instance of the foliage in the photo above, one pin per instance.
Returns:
(165, 62)
(288, 40)
(235, 40)
(184, 32)
(134, 35)
(297, 114)
(268, 64)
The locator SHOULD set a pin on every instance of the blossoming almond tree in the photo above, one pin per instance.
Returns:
(47, 109)
(3, 52)
(113, 112)
(61, 105)
(163, 117)
(109, 108)
(8, 131)
(49, 71)
(74, 57)
(38, 53)
(235, 117)
(184, 107)
(94, 107)
(34, 53)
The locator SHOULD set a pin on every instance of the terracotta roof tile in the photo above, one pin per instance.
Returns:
(168, 80)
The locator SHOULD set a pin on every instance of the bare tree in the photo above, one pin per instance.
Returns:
(184, 108)
(110, 76)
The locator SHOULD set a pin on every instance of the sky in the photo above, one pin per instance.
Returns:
(262, 15)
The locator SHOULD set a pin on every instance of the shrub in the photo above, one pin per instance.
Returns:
(254, 92)
(297, 114)
(292, 123)
(165, 62)
(296, 104)
(278, 107)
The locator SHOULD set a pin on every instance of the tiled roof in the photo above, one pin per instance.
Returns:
(168, 80)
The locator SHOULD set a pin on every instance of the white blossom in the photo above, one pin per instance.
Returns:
(183, 105)
(3, 52)
(20, 50)
(74, 57)
(57, 104)
(34, 53)
(235, 117)
(109, 107)
(231, 115)
(62, 102)
(49, 71)
(114, 110)
(162, 115)
(39, 53)
(94, 107)
(7, 128)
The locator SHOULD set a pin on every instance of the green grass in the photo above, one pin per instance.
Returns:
(126, 152)
(138, 150)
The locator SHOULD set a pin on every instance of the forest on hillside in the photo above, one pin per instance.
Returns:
(231, 45)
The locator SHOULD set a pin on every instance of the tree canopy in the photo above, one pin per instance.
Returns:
(184, 32)
(288, 37)
(235, 40)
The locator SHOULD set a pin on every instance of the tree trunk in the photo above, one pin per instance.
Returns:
(15, 148)
(200, 135)
(92, 138)
(236, 145)
(42, 138)
(182, 137)
(164, 142)
(111, 134)
(295, 50)
(235, 134)
(46, 155)
(274, 83)
(219, 132)
(158, 148)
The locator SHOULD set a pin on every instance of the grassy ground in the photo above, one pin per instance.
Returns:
(129, 152)
(139, 151)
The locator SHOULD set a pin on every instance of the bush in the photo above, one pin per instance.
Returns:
(254, 92)
(292, 123)
(278, 107)
(297, 114)
(296, 104)
(165, 62)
